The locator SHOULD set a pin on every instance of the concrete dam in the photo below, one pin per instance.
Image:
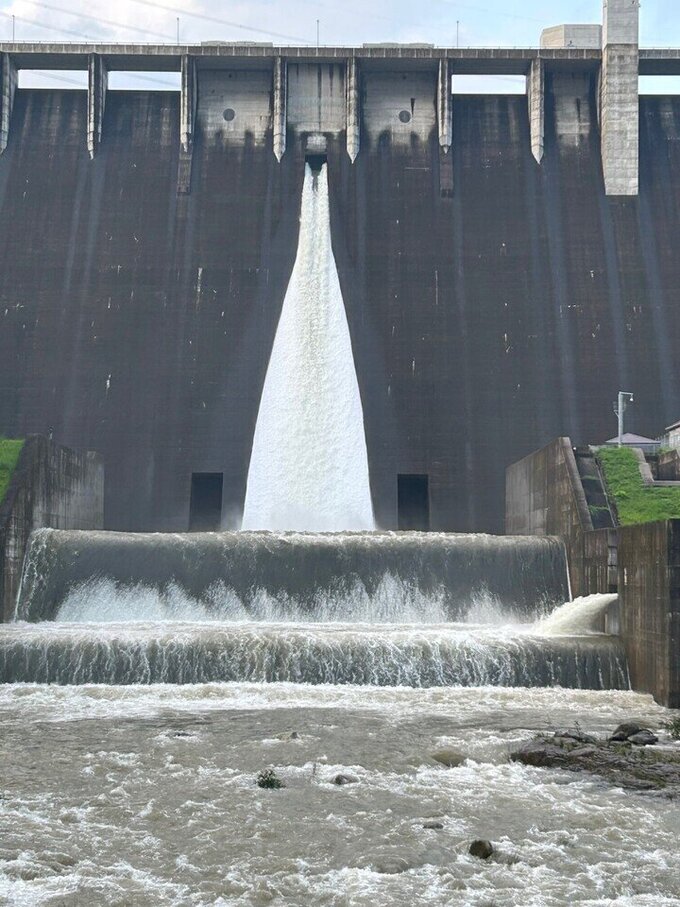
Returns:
(507, 263)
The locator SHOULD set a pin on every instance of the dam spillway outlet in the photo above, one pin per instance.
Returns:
(309, 463)
(315, 162)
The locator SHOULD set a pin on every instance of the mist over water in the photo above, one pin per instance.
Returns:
(309, 465)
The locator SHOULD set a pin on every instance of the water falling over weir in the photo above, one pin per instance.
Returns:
(414, 609)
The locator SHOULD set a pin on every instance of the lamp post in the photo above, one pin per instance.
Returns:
(620, 407)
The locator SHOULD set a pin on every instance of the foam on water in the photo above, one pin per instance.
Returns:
(309, 464)
(333, 653)
(579, 617)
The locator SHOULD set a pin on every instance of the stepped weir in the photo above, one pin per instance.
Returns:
(386, 609)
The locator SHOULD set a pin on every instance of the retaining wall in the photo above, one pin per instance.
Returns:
(51, 486)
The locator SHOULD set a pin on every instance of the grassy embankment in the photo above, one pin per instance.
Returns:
(9, 454)
(635, 502)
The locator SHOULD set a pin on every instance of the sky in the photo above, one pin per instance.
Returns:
(477, 23)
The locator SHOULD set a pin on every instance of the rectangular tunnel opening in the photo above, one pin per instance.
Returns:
(316, 161)
(413, 502)
(205, 508)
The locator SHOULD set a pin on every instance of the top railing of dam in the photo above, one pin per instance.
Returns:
(465, 60)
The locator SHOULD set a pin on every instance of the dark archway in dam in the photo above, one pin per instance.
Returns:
(139, 322)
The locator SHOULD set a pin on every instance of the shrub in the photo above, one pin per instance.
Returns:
(268, 778)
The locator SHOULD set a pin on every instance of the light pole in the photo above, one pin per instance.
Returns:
(620, 407)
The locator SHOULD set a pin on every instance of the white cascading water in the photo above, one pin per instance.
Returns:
(309, 465)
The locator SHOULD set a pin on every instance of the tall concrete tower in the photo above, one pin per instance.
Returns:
(619, 101)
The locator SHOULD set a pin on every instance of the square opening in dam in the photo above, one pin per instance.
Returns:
(413, 502)
(205, 508)
(316, 161)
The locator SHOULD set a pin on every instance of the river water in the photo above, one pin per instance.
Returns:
(145, 795)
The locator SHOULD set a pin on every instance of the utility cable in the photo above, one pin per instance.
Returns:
(182, 12)
(166, 39)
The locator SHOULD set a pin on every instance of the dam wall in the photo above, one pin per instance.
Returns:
(51, 486)
(493, 301)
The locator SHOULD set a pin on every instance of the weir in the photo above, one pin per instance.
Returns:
(389, 609)
(430, 577)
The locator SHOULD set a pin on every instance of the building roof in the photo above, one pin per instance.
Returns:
(672, 427)
(632, 440)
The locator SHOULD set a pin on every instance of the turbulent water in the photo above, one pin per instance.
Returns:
(381, 609)
(388, 655)
(145, 795)
(309, 465)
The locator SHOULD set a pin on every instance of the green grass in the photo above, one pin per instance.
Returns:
(635, 502)
(9, 454)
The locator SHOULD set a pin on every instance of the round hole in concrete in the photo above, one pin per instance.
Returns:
(229, 114)
(404, 116)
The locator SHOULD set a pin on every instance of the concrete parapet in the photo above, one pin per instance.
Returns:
(619, 97)
(649, 590)
(97, 84)
(536, 101)
(353, 90)
(51, 486)
(280, 107)
(8, 86)
(572, 36)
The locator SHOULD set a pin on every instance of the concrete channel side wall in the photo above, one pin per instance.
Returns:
(544, 496)
(649, 590)
(51, 486)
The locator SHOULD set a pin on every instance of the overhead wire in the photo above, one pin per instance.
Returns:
(99, 20)
(219, 21)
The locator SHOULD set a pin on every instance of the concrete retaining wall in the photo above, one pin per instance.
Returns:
(649, 590)
(544, 496)
(51, 486)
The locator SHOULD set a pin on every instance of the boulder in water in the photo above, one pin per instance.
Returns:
(433, 825)
(481, 848)
(344, 779)
(643, 738)
(626, 730)
(624, 765)
(578, 736)
(448, 757)
(390, 865)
